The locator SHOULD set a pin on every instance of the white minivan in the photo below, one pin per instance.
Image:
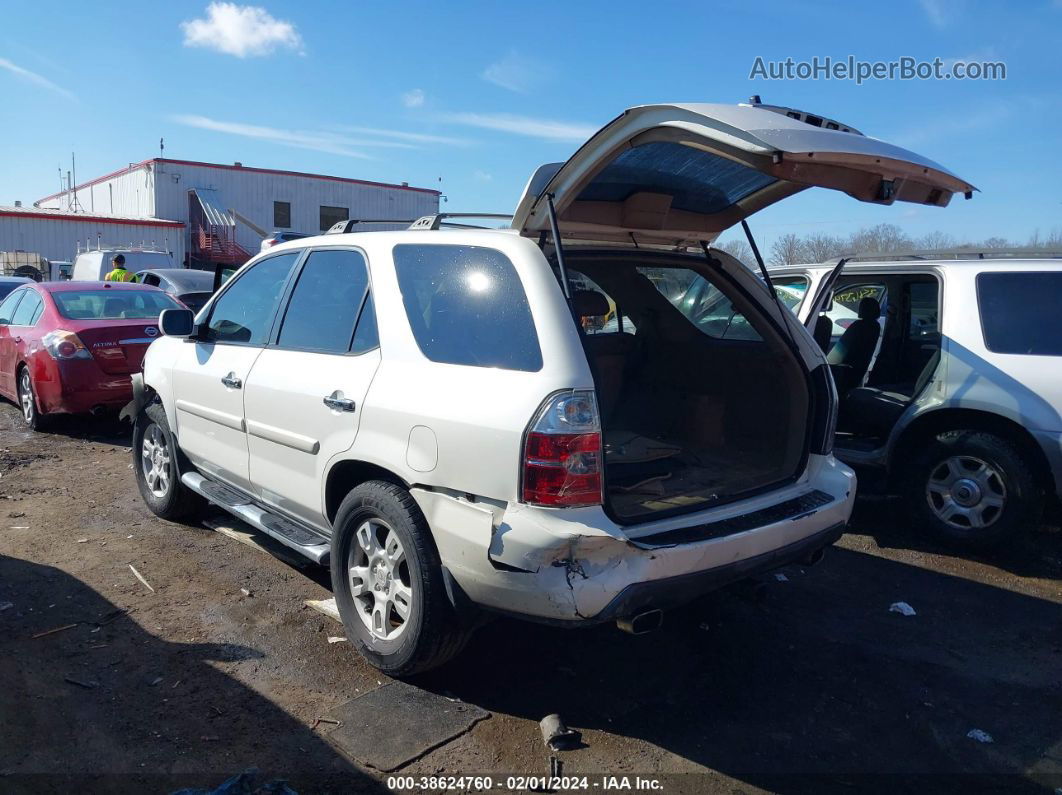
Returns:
(589, 416)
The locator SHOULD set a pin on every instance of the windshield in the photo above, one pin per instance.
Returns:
(108, 304)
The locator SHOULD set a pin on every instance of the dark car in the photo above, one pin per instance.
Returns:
(71, 347)
(9, 283)
(189, 286)
(276, 238)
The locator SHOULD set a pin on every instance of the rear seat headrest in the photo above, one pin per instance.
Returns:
(590, 303)
(869, 309)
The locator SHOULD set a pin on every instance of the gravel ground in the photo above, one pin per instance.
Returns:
(806, 684)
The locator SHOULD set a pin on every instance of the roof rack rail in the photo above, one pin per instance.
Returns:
(957, 254)
(439, 220)
(343, 227)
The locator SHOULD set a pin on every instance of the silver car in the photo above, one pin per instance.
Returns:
(949, 368)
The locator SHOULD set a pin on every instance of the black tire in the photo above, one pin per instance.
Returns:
(27, 401)
(431, 633)
(963, 451)
(175, 501)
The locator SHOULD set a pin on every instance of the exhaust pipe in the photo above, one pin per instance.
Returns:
(641, 623)
(814, 558)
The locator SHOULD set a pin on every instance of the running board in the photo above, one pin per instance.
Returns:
(302, 539)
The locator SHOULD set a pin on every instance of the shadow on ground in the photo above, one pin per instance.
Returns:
(105, 706)
(1037, 552)
(819, 688)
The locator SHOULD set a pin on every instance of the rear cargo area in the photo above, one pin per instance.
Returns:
(701, 400)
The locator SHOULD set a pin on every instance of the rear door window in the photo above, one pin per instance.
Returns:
(615, 322)
(1019, 312)
(844, 310)
(244, 312)
(466, 305)
(702, 303)
(29, 310)
(325, 303)
(923, 318)
(7, 308)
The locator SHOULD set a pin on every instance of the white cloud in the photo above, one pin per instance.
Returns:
(482, 176)
(329, 142)
(241, 31)
(414, 98)
(34, 78)
(517, 73)
(402, 135)
(940, 12)
(546, 129)
(978, 56)
(336, 141)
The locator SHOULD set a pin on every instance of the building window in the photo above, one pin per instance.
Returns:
(332, 215)
(282, 215)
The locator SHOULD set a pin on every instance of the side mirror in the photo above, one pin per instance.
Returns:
(177, 322)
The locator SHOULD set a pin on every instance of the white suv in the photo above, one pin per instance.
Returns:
(950, 375)
(465, 418)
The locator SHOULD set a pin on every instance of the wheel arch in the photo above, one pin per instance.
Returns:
(348, 474)
(929, 425)
(25, 365)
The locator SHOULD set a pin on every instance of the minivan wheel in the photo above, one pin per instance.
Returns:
(388, 582)
(155, 464)
(27, 401)
(973, 489)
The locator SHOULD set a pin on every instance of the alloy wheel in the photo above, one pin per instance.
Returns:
(155, 461)
(25, 396)
(966, 492)
(379, 579)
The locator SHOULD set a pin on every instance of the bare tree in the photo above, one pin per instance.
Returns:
(786, 250)
(996, 242)
(882, 238)
(739, 250)
(934, 241)
(820, 247)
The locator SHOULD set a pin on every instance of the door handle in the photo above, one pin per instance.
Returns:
(337, 403)
(231, 381)
(18, 339)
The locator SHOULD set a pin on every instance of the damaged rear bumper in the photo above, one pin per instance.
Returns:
(575, 565)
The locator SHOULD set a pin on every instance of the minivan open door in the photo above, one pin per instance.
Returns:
(679, 175)
(816, 303)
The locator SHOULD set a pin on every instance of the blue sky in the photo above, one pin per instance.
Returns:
(479, 94)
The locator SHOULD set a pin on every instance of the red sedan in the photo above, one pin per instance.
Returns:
(71, 347)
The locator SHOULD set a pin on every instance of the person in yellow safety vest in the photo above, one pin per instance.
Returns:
(119, 273)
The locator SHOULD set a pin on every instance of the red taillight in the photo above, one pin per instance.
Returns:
(63, 344)
(562, 453)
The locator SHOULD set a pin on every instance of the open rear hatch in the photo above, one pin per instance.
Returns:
(682, 174)
(703, 399)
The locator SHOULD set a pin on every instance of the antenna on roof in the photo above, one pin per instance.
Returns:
(162, 147)
(75, 205)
